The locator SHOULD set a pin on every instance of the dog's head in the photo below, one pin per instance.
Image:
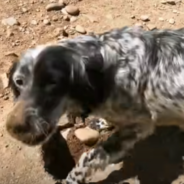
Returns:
(63, 79)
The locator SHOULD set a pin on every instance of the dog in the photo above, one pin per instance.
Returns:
(128, 75)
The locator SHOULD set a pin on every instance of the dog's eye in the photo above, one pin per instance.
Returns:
(20, 82)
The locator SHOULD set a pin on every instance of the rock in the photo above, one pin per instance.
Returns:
(145, 18)
(132, 17)
(87, 135)
(24, 10)
(72, 10)
(3, 81)
(66, 17)
(65, 133)
(55, 18)
(46, 22)
(9, 33)
(11, 21)
(54, 6)
(64, 11)
(171, 2)
(73, 19)
(138, 24)
(151, 26)
(161, 19)
(34, 22)
(171, 21)
(80, 29)
(5, 98)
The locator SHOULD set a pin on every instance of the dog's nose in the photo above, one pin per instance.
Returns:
(16, 117)
(24, 125)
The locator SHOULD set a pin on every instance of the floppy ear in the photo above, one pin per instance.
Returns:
(11, 83)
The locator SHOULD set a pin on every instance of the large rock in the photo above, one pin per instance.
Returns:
(87, 135)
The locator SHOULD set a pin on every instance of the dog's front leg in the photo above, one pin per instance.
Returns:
(111, 151)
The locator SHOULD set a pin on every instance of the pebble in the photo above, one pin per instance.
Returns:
(171, 21)
(34, 22)
(87, 135)
(73, 19)
(171, 2)
(80, 29)
(11, 21)
(64, 11)
(132, 17)
(161, 19)
(66, 17)
(9, 33)
(72, 10)
(151, 26)
(92, 18)
(54, 6)
(24, 10)
(145, 18)
(46, 22)
(4, 80)
(55, 18)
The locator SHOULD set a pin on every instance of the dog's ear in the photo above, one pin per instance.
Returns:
(11, 83)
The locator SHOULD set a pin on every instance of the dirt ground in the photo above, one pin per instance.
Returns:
(156, 160)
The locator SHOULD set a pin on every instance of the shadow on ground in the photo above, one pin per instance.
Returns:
(156, 160)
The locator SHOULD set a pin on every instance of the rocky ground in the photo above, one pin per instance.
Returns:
(159, 159)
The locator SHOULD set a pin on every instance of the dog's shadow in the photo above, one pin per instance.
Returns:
(156, 160)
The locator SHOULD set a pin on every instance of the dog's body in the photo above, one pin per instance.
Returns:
(132, 77)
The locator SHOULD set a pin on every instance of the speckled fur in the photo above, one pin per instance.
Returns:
(132, 77)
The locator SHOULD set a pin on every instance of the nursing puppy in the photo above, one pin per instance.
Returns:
(132, 77)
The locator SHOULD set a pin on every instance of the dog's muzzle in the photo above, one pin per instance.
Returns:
(26, 126)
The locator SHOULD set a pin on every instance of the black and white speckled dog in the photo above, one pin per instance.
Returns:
(132, 77)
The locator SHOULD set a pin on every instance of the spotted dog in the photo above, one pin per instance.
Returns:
(132, 77)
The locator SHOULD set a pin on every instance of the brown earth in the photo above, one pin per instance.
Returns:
(156, 160)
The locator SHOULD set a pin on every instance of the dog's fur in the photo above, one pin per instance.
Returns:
(132, 77)
(21, 74)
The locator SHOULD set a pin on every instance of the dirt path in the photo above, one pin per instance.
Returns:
(20, 164)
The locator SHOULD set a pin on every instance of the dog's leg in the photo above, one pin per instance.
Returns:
(111, 151)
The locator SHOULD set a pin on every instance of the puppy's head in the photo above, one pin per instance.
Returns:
(57, 72)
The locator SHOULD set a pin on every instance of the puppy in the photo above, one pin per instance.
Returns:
(132, 77)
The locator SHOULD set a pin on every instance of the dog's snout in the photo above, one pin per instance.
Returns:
(25, 125)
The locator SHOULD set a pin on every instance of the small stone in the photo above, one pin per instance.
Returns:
(151, 26)
(3, 81)
(171, 21)
(24, 10)
(132, 17)
(87, 135)
(5, 98)
(55, 18)
(72, 10)
(80, 29)
(11, 21)
(161, 19)
(145, 18)
(64, 11)
(65, 33)
(66, 17)
(54, 6)
(34, 22)
(9, 33)
(175, 11)
(138, 24)
(6, 146)
(46, 22)
(65, 133)
(73, 19)
(171, 2)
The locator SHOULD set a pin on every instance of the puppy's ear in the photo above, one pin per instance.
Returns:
(11, 83)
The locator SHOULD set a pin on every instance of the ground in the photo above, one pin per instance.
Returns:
(21, 164)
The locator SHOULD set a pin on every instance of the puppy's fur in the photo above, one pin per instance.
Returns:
(132, 77)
